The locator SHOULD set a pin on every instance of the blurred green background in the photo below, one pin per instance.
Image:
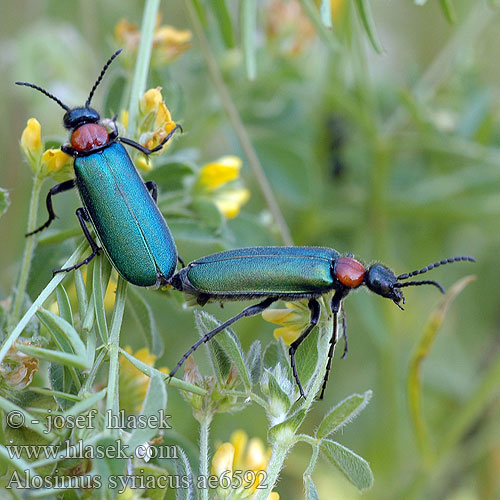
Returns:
(392, 156)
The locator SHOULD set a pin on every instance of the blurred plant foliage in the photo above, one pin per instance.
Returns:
(284, 111)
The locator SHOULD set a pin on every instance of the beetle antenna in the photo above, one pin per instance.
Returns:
(418, 283)
(432, 266)
(99, 79)
(44, 92)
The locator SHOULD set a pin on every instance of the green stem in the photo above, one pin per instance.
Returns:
(44, 295)
(29, 248)
(239, 127)
(142, 65)
(112, 400)
(313, 461)
(280, 451)
(204, 433)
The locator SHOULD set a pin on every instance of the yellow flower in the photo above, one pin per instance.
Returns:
(216, 173)
(31, 141)
(124, 118)
(337, 9)
(155, 119)
(293, 320)
(168, 42)
(230, 202)
(217, 180)
(54, 160)
(241, 457)
(151, 100)
(18, 369)
(133, 383)
(144, 163)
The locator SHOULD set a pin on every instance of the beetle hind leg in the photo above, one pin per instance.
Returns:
(83, 218)
(249, 311)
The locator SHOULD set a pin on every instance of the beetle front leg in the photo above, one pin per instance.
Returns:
(146, 150)
(315, 309)
(58, 188)
(249, 311)
(83, 218)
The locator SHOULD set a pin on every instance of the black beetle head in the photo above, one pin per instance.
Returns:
(76, 117)
(381, 280)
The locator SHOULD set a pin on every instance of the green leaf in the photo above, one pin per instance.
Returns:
(61, 381)
(85, 404)
(248, 27)
(310, 487)
(183, 470)
(81, 293)
(207, 212)
(65, 336)
(154, 404)
(279, 398)
(18, 464)
(4, 201)
(365, 12)
(254, 361)
(64, 358)
(145, 321)
(284, 431)
(109, 465)
(449, 10)
(355, 468)
(64, 304)
(221, 12)
(343, 413)
(191, 230)
(170, 176)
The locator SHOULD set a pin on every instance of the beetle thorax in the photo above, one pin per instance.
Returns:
(350, 272)
(89, 136)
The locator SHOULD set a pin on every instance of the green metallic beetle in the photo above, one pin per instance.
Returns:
(290, 273)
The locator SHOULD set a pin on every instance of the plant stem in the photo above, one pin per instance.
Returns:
(239, 127)
(29, 248)
(204, 432)
(112, 400)
(280, 451)
(142, 64)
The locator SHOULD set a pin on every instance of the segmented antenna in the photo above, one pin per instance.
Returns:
(98, 81)
(432, 266)
(417, 283)
(44, 92)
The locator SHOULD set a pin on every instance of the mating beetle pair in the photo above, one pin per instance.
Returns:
(138, 242)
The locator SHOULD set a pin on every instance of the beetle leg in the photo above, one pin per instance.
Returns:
(336, 303)
(58, 188)
(315, 309)
(249, 311)
(344, 332)
(83, 217)
(146, 150)
(153, 189)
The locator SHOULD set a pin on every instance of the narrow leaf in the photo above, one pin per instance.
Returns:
(183, 470)
(86, 404)
(64, 358)
(4, 201)
(63, 304)
(310, 487)
(343, 413)
(285, 430)
(254, 361)
(355, 468)
(65, 336)
(99, 289)
(248, 27)
(365, 12)
(449, 10)
(223, 17)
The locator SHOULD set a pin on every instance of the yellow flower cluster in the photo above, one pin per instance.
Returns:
(52, 161)
(218, 181)
(243, 455)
